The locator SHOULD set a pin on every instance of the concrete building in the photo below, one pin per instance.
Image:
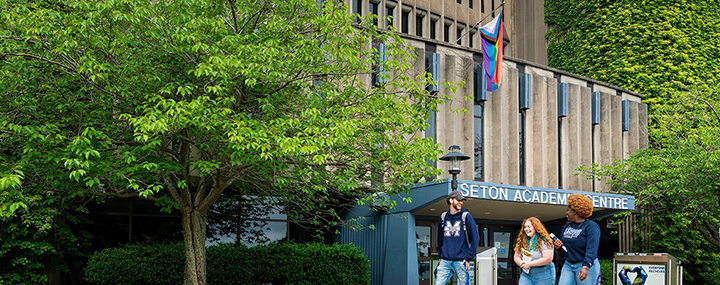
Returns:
(525, 139)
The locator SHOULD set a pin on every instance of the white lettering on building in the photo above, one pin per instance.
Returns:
(540, 196)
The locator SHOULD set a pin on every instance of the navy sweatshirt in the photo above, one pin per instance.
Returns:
(451, 237)
(582, 241)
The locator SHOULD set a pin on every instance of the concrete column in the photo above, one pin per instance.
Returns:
(631, 137)
(455, 127)
(604, 135)
(643, 125)
(509, 134)
(541, 134)
(576, 145)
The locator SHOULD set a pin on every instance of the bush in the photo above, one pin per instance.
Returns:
(606, 269)
(281, 263)
(137, 264)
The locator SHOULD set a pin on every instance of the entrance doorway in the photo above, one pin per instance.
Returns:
(503, 238)
(424, 241)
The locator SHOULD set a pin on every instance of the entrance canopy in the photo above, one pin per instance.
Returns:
(506, 202)
(389, 237)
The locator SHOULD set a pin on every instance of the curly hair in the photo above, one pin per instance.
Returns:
(581, 205)
(522, 242)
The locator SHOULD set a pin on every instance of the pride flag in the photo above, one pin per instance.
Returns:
(492, 45)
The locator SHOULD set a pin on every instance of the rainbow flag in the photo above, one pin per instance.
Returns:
(492, 45)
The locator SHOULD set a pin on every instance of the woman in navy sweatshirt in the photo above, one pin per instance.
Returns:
(581, 238)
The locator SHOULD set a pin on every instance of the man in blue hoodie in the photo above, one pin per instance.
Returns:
(458, 239)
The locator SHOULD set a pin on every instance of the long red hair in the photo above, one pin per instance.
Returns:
(522, 239)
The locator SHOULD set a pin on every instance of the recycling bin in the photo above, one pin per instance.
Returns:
(646, 269)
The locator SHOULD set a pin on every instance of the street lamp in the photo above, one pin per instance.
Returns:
(454, 157)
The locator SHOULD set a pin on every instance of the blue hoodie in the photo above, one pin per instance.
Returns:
(451, 237)
(582, 241)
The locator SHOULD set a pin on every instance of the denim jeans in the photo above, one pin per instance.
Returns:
(539, 275)
(569, 274)
(446, 269)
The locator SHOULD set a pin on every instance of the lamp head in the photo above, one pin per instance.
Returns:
(454, 157)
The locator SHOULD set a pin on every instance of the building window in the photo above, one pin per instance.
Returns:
(459, 33)
(405, 18)
(432, 61)
(357, 9)
(389, 13)
(447, 29)
(459, 1)
(248, 221)
(521, 128)
(419, 22)
(374, 12)
(562, 93)
(434, 22)
(471, 39)
(379, 77)
(470, 3)
(478, 141)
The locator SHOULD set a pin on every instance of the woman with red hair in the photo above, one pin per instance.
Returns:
(534, 254)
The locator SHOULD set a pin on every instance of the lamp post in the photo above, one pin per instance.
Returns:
(454, 157)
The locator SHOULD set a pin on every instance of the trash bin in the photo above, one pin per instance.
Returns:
(646, 269)
(486, 269)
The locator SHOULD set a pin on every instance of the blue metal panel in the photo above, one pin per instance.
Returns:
(525, 81)
(435, 70)
(431, 132)
(562, 92)
(595, 98)
(401, 263)
(371, 243)
(380, 73)
(625, 115)
(392, 253)
(481, 93)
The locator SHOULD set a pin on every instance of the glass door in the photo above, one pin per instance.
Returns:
(503, 238)
(423, 234)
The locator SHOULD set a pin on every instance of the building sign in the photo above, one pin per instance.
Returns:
(523, 194)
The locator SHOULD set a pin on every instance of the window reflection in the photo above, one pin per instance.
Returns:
(424, 269)
(422, 235)
(478, 141)
(247, 220)
(504, 271)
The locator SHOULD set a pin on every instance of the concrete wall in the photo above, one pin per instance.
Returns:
(555, 146)
(458, 16)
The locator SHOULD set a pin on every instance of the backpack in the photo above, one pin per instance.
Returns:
(464, 215)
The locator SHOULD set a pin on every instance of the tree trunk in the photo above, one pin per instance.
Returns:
(194, 227)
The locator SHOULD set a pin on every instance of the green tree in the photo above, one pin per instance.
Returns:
(665, 50)
(178, 101)
(653, 47)
(675, 182)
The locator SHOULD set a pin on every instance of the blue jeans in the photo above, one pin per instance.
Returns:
(569, 274)
(539, 275)
(446, 269)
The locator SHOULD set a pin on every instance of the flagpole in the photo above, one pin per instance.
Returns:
(478, 23)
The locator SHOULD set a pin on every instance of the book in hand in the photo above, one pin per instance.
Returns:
(526, 257)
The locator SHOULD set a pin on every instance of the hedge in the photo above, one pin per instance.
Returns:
(281, 263)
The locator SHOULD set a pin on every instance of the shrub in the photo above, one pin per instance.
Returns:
(281, 263)
(606, 269)
(137, 264)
